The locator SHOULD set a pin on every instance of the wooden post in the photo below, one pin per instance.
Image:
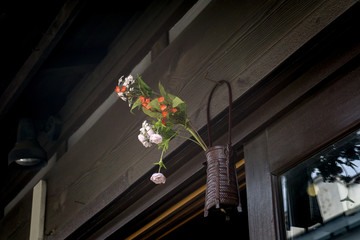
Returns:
(259, 189)
(38, 211)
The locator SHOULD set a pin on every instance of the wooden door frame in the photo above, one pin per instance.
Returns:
(319, 106)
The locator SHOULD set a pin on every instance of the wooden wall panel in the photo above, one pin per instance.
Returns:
(320, 63)
(218, 42)
(315, 109)
(330, 111)
(16, 225)
(127, 50)
(229, 40)
(321, 119)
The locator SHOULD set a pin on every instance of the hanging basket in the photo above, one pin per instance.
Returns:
(222, 191)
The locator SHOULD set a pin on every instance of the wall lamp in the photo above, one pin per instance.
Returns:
(27, 151)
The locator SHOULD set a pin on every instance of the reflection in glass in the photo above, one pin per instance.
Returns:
(321, 196)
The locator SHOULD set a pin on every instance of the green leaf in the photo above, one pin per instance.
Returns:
(177, 101)
(179, 118)
(182, 109)
(162, 90)
(155, 105)
(137, 103)
(145, 89)
(158, 125)
(168, 97)
(167, 133)
(152, 114)
(161, 164)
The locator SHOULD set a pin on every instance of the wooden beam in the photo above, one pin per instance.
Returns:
(52, 36)
(102, 162)
(314, 61)
(326, 112)
(322, 118)
(159, 46)
(317, 60)
(131, 45)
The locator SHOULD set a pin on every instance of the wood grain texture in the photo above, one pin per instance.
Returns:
(330, 111)
(55, 32)
(109, 155)
(322, 118)
(16, 225)
(259, 189)
(308, 67)
(159, 46)
(219, 52)
(131, 45)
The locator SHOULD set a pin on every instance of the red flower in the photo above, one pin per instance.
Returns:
(117, 89)
(163, 121)
(161, 99)
(145, 102)
(123, 89)
(164, 114)
(174, 110)
(163, 107)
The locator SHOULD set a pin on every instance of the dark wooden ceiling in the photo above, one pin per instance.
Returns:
(42, 61)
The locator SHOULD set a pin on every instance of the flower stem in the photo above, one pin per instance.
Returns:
(161, 164)
(194, 141)
(197, 137)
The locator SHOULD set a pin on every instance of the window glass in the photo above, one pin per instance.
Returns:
(321, 196)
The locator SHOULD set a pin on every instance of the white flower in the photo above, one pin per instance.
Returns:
(146, 144)
(149, 131)
(144, 140)
(158, 178)
(120, 80)
(145, 124)
(147, 135)
(143, 131)
(129, 79)
(156, 138)
(122, 96)
(141, 138)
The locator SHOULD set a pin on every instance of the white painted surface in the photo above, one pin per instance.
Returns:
(96, 115)
(185, 21)
(38, 211)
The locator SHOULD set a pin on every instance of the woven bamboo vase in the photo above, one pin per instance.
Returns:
(221, 183)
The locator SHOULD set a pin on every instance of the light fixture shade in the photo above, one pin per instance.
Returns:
(27, 151)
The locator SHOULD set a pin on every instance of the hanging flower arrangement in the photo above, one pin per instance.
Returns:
(168, 114)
